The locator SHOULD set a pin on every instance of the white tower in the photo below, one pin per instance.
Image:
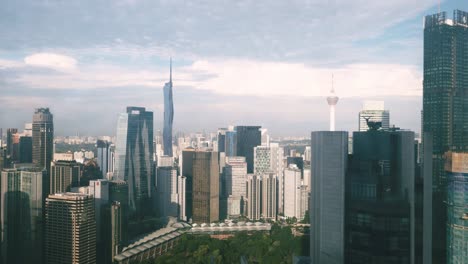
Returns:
(332, 100)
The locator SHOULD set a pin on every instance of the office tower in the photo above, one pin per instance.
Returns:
(134, 156)
(457, 201)
(64, 175)
(380, 188)
(70, 229)
(270, 159)
(248, 137)
(186, 169)
(22, 194)
(116, 225)
(332, 100)
(235, 173)
(43, 138)
(444, 104)
(205, 193)
(269, 196)
(303, 202)
(292, 191)
(25, 149)
(10, 144)
(327, 200)
(231, 143)
(168, 116)
(103, 156)
(222, 139)
(166, 191)
(374, 111)
(118, 192)
(254, 198)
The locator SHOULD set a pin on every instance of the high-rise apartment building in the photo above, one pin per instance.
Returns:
(248, 137)
(22, 195)
(134, 156)
(327, 201)
(292, 192)
(235, 173)
(64, 175)
(374, 111)
(43, 138)
(205, 192)
(168, 116)
(444, 105)
(70, 229)
(254, 196)
(457, 200)
(269, 196)
(380, 198)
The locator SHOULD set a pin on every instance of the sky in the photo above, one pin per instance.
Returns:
(266, 63)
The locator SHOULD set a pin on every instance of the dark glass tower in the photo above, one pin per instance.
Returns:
(43, 138)
(168, 116)
(248, 137)
(445, 104)
(380, 198)
(134, 156)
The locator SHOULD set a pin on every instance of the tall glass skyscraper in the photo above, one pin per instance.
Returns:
(168, 116)
(43, 138)
(445, 100)
(248, 137)
(134, 156)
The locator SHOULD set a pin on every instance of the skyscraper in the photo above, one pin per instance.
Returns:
(166, 191)
(380, 188)
(103, 156)
(374, 111)
(248, 137)
(64, 175)
(292, 192)
(231, 143)
(445, 100)
(269, 196)
(254, 196)
(70, 229)
(235, 172)
(457, 201)
(43, 138)
(25, 149)
(22, 195)
(205, 192)
(10, 142)
(168, 116)
(327, 201)
(134, 156)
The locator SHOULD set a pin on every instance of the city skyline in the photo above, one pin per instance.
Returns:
(122, 69)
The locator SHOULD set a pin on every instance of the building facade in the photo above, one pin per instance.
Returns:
(269, 196)
(205, 192)
(444, 102)
(22, 195)
(292, 192)
(235, 173)
(70, 229)
(327, 200)
(64, 175)
(43, 138)
(254, 196)
(248, 137)
(134, 157)
(374, 111)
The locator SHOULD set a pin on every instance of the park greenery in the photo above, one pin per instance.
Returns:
(278, 246)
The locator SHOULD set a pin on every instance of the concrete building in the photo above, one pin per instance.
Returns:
(292, 192)
(269, 196)
(254, 197)
(22, 195)
(64, 175)
(327, 201)
(70, 229)
(205, 193)
(235, 173)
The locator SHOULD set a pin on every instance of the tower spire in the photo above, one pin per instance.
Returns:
(170, 70)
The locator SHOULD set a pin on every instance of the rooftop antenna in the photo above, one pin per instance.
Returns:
(333, 87)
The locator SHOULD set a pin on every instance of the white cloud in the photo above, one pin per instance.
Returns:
(51, 60)
(5, 64)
